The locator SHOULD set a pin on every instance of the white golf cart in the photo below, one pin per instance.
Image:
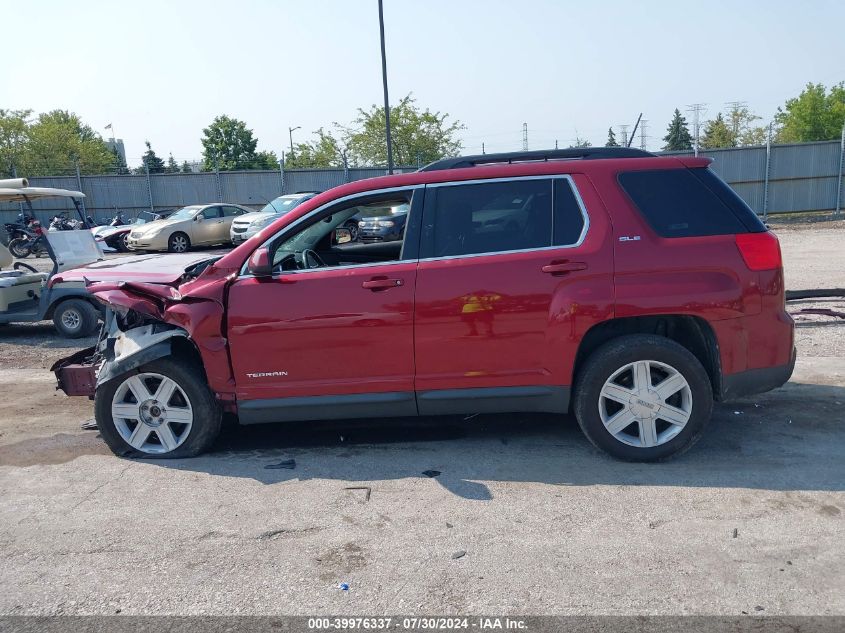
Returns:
(26, 294)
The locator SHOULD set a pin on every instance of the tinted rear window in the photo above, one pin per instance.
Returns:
(688, 202)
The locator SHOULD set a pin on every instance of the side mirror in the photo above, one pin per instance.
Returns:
(198, 218)
(259, 263)
(342, 236)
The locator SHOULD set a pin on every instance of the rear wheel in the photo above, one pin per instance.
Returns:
(178, 243)
(164, 409)
(643, 398)
(75, 318)
(20, 248)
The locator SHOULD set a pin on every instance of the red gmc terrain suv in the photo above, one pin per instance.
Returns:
(630, 289)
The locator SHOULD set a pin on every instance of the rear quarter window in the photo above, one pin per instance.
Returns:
(688, 203)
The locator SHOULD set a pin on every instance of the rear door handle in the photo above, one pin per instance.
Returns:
(563, 268)
(381, 283)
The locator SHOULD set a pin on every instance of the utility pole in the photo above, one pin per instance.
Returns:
(697, 110)
(291, 130)
(384, 83)
(482, 148)
(643, 135)
(624, 129)
(735, 106)
(555, 143)
(524, 137)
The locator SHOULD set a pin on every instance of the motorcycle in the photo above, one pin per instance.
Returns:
(62, 222)
(16, 229)
(33, 241)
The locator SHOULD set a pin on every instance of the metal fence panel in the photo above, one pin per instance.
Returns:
(250, 188)
(802, 177)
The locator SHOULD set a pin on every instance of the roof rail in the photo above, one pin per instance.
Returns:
(583, 153)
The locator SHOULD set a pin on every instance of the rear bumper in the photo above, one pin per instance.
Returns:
(752, 381)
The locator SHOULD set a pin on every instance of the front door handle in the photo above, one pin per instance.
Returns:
(563, 268)
(381, 283)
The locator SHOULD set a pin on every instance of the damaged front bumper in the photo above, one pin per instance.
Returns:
(76, 375)
(117, 352)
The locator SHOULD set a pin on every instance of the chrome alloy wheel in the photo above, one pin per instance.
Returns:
(152, 413)
(71, 319)
(645, 403)
(179, 244)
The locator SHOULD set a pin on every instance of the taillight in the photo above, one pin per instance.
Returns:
(761, 251)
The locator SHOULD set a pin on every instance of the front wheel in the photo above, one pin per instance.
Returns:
(75, 318)
(178, 243)
(643, 398)
(20, 247)
(164, 409)
(122, 243)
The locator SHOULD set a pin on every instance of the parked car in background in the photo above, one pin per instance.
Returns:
(194, 225)
(249, 224)
(116, 236)
(386, 224)
(630, 289)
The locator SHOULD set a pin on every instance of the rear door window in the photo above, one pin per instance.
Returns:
(489, 217)
(688, 203)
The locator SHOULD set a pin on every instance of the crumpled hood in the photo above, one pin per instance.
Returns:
(150, 267)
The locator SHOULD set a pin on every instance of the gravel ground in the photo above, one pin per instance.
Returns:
(751, 520)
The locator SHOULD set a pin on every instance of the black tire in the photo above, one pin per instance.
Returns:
(122, 243)
(174, 243)
(207, 418)
(20, 247)
(614, 355)
(75, 318)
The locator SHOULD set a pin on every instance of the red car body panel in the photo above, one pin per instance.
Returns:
(483, 321)
(327, 332)
(499, 320)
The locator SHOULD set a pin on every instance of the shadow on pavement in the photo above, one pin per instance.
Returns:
(790, 439)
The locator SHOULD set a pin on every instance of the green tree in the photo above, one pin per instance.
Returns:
(118, 162)
(152, 162)
(228, 144)
(814, 115)
(717, 133)
(678, 137)
(740, 121)
(266, 160)
(418, 136)
(14, 134)
(322, 152)
(186, 168)
(172, 165)
(611, 138)
(57, 141)
(581, 142)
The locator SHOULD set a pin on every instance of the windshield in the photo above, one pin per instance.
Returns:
(145, 216)
(185, 213)
(282, 204)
